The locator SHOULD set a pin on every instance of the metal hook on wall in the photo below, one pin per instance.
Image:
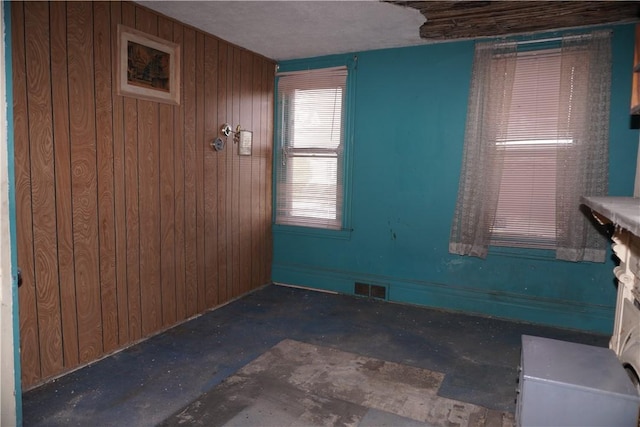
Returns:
(243, 138)
(218, 143)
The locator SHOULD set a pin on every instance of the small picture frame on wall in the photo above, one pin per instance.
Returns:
(148, 67)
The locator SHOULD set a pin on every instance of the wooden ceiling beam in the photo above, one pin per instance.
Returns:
(472, 19)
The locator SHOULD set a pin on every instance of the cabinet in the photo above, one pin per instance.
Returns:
(635, 85)
(568, 384)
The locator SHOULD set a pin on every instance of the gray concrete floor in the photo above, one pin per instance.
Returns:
(296, 384)
(146, 383)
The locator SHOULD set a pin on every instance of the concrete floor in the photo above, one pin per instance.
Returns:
(147, 383)
(297, 384)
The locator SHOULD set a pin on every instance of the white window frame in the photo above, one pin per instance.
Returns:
(285, 218)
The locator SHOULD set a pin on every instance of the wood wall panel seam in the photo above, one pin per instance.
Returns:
(191, 293)
(229, 155)
(235, 227)
(245, 175)
(221, 178)
(84, 180)
(104, 161)
(179, 169)
(60, 96)
(199, 168)
(119, 189)
(255, 171)
(167, 197)
(150, 291)
(210, 181)
(131, 185)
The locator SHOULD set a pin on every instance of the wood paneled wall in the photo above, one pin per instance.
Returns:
(128, 222)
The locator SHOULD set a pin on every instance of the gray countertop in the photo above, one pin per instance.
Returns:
(623, 211)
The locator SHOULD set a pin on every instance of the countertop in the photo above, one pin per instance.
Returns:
(623, 211)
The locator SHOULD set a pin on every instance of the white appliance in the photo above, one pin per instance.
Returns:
(626, 339)
(558, 386)
(624, 214)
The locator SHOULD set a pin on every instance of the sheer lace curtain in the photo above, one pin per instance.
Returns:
(582, 166)
(489, 100)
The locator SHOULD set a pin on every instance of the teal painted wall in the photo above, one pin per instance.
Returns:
(8, 71)
(410, 109)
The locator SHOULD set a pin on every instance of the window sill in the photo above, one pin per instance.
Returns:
(312, 232)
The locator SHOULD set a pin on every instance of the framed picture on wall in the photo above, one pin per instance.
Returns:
(148, 66)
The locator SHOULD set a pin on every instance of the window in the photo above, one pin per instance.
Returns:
(311, 158)
(526, 210)
(536, 141)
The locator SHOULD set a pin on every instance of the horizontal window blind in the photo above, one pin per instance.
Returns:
(526, 212)
(309, 181)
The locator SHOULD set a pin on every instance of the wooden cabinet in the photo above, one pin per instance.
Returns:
(635, 88)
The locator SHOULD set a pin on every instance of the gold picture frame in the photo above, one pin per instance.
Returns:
(148, 67)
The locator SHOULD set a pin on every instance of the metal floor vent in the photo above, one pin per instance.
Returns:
(370, 291)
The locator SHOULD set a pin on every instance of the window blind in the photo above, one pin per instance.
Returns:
(309, 176)
(530, 136)
(526, 211)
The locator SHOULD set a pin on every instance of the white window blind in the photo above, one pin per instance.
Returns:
(309, 176)
(526, 211)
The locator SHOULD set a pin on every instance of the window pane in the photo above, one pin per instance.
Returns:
(526, 212)
(313, 187)
(526, 205)
(317, 118)
(535, 98)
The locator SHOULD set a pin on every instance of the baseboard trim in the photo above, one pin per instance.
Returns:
(542, 311)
